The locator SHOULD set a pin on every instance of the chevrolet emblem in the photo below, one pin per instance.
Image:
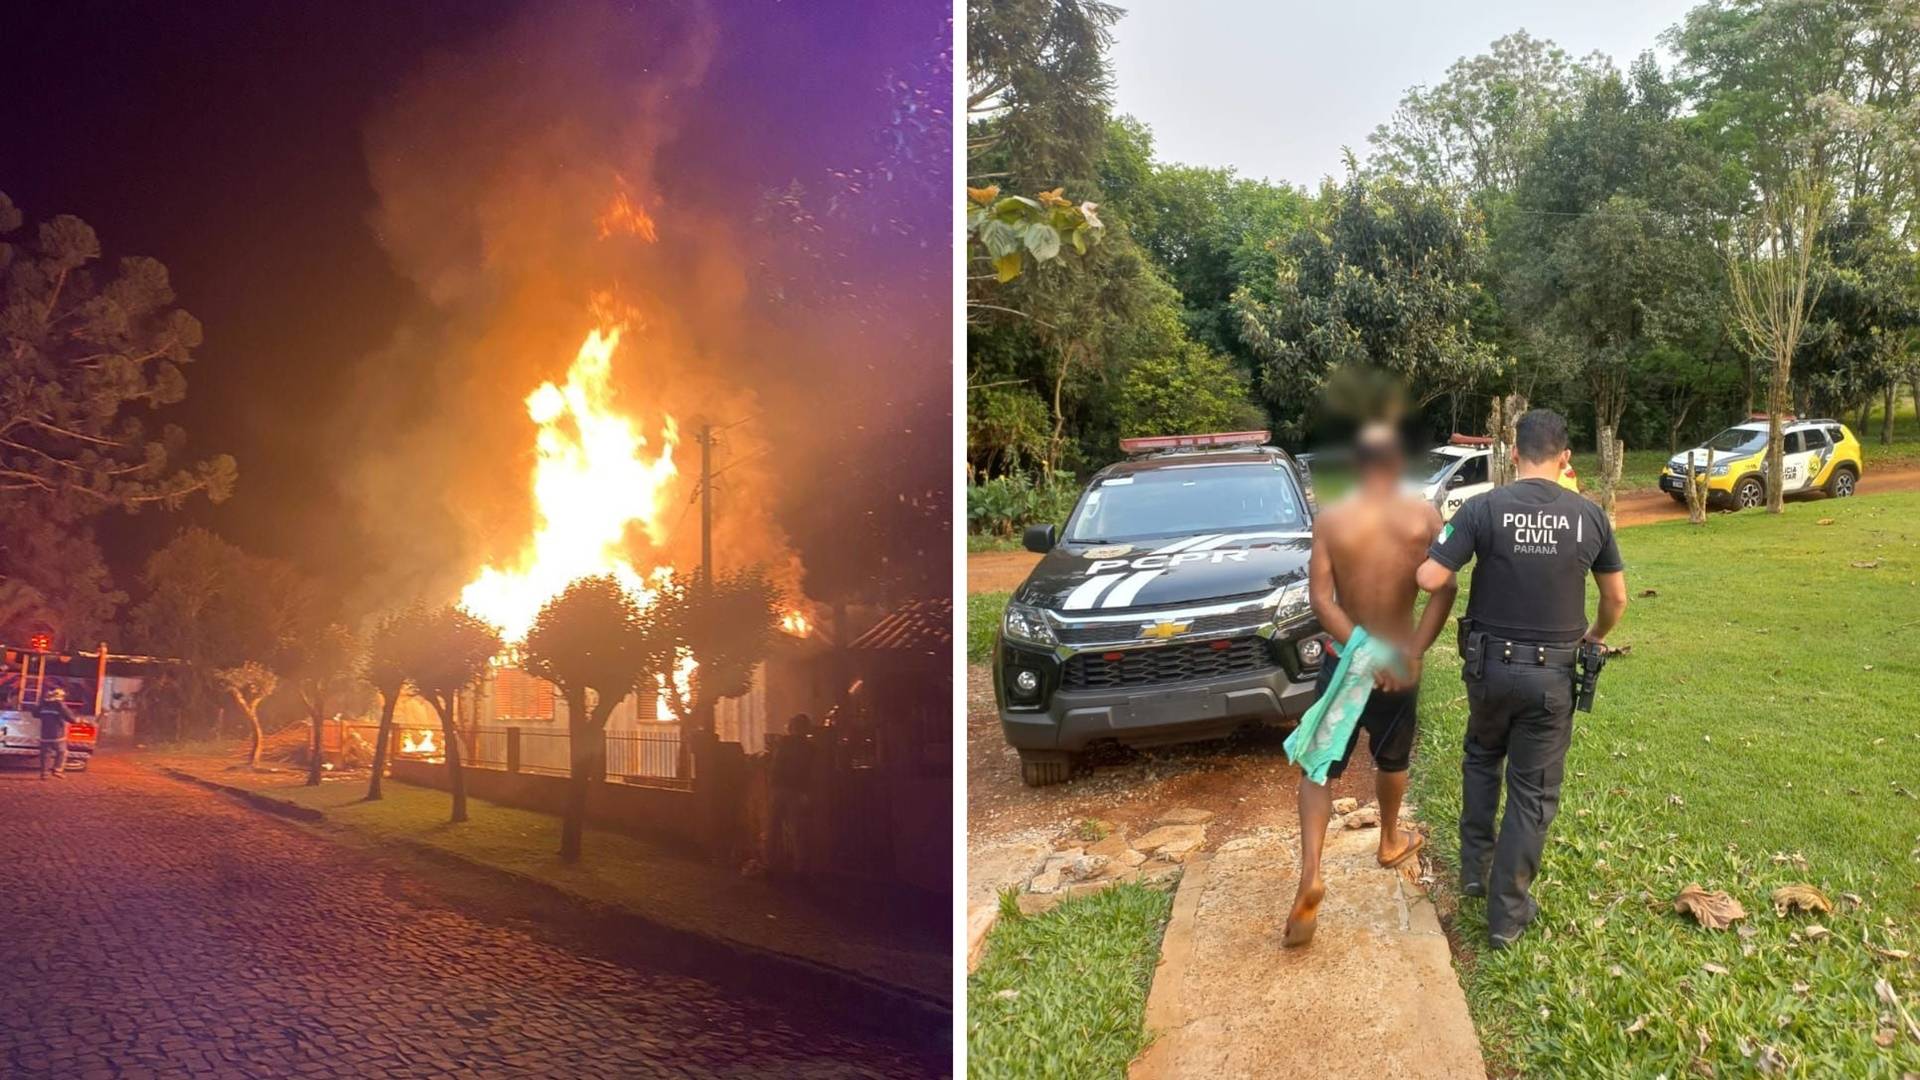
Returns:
(1165, 630)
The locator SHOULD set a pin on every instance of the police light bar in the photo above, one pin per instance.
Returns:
(1147, 444)
(1785, 418)
(1470, 440)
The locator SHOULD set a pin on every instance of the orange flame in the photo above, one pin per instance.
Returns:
(796, 624)
(623, 215)
(594, 478)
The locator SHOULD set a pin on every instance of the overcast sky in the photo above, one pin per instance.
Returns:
(1276, 89)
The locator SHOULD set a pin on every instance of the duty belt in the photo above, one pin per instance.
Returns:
(1527, 652)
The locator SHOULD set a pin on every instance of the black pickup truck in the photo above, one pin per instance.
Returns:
(1171, 607)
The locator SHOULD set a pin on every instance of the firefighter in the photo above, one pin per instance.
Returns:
(52, 712)
(1536, 543)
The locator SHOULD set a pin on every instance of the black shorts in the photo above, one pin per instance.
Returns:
(1389, 721)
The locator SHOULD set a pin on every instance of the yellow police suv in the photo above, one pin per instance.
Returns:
(1818, 455)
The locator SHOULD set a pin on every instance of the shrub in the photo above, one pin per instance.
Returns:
(1005, 505)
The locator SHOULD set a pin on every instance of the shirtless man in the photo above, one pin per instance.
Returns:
(1365, 552)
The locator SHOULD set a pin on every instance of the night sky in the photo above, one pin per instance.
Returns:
(230, 141)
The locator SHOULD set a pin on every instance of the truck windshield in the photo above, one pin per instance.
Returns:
(1430, 468)
(1186, 501)
(1737, 440)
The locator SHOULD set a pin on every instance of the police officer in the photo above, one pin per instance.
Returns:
(1536, 542)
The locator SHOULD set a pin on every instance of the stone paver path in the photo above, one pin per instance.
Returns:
(149, 928)
(1374, 995)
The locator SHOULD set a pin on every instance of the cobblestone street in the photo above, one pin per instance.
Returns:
(149, 928)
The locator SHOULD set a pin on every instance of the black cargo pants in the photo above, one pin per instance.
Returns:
(1522, 714)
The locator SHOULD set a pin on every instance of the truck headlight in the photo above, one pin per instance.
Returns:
(1294, 604)
(1721, 468)
(1026, 624)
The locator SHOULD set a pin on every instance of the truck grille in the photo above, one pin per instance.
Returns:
(1182, 662)
(1114, 632)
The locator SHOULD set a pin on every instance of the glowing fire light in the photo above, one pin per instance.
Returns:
(593, 480)
(424, 745)
(796, 624)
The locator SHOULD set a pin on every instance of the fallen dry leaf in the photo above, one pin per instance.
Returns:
(1891, 954)
(1713, 910)
(1799, 896)
(1824, 521)
(1649, 592)
(1713, 969)
(1852, 898)
(1865, 564)
(1885, 1037)
(1640, 1024)
(1815, 932)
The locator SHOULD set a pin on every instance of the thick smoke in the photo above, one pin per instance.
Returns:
(494, 169)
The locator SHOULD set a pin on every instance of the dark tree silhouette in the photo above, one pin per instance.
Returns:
(389, 660)
(454, 649)
(592, 639)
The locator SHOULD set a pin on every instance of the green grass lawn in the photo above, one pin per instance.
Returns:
(1761, 733)
(983, 619)
(1062, 994)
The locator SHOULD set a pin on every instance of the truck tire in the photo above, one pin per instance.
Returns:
(1843, 481)
(1044, 768)
(1750, 494)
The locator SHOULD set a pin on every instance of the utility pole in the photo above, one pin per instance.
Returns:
(706, 507)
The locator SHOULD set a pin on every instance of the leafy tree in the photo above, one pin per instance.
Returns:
(1211, 231)
(250, 683)
(1014, 231)
(1382, 278)
(391, 656)
(1189, 390)
(1038, 89)
(57, 580)
(1475, 130)
(83, 356)
(597, 645)
(1609, 262)
(325, 662)
(727, 627)
(1773, 289)
(452, 653)
(1861, 341)
(219, 609)
(1830, 89)
(1007, 428)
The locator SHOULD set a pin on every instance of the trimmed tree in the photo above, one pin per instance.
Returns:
(324, 662)
(1774, 289)
(596, 644)
(727, 627)
(454, 649)
(249, 684)
(389, 659)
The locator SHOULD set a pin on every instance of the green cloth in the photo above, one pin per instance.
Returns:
(1325, 731)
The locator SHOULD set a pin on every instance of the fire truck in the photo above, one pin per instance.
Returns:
(27, 673)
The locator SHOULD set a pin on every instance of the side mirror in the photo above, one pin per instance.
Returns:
(1456, 480)
(1038, 538)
